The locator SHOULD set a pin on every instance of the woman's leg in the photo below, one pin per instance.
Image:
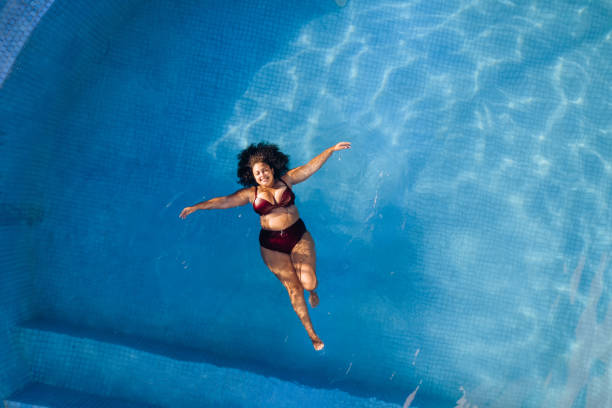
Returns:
(304, 259)
(280, 264)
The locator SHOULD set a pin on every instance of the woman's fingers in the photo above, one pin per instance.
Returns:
(342, 145)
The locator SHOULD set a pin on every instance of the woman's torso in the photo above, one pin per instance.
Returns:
(277, 203)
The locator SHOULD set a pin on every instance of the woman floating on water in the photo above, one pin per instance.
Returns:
(287, 247)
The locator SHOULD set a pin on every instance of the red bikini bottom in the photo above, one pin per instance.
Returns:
(283, 240)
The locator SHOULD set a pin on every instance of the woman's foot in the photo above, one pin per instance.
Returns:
(313, 299)
(317, 344)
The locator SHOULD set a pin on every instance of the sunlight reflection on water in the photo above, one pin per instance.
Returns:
(486, 120)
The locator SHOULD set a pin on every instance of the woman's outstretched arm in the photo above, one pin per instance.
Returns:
(301, 173)
(240, 197)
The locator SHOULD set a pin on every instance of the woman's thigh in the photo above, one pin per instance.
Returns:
(304, 259)
(280, 264)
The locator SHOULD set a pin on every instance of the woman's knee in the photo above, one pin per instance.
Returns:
(308, 280)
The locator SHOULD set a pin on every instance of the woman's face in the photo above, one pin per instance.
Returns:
(264, 174)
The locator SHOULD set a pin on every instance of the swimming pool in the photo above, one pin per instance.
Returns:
(463, 243)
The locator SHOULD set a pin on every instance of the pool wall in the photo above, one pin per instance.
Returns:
(32, 103)
(21, 207)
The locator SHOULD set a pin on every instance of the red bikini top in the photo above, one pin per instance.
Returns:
(263, 207)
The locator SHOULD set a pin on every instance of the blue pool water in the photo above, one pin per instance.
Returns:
(463, 243)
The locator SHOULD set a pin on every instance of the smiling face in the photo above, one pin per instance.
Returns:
(264, 174)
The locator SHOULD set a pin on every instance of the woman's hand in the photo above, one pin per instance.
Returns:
(186, 211)
(341, 146)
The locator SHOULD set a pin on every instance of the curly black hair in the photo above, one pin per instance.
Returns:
(262, 152)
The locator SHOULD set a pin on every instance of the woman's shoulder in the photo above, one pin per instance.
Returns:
(287, 180)
(248, 192)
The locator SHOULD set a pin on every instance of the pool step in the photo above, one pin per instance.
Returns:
(36, 395)
(116, 366)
